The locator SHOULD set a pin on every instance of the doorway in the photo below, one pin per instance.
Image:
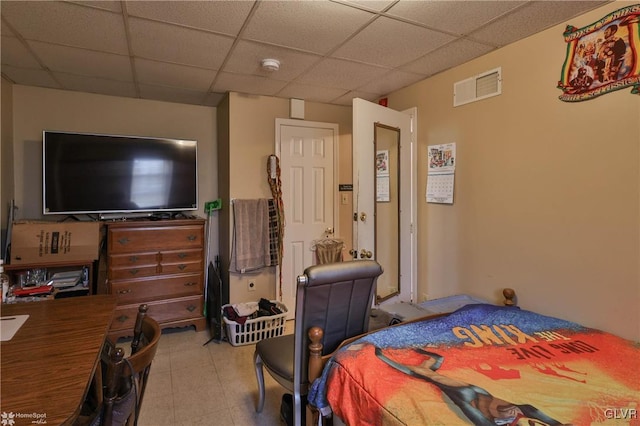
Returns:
(385, 199)
(307, 156)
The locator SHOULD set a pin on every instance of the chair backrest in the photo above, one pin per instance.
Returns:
(336, 297)
(127, 375)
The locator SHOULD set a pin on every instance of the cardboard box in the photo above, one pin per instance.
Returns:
(42, 241)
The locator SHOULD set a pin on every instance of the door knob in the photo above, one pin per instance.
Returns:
(365, 254)
(353, 253)
(363, 216)
(328, 231)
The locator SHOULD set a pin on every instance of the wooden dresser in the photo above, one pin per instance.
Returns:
(160, 263)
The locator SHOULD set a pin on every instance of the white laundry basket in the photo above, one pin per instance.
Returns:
(254, 330)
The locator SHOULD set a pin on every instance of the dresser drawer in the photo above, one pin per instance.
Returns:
(129, 273)
(176, 309)
(141, 239)
(177, 256)
(182, 267)
(156, 288)
(133, 259)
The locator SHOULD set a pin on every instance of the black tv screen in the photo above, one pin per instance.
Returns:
(98, 174)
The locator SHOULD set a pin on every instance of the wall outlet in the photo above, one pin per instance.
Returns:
(251, 286)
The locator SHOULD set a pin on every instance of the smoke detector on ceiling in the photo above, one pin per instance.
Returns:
(270, 65)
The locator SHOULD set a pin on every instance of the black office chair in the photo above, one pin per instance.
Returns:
(336, 297)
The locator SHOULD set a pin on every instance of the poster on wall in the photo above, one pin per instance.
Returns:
(602, 57)
(441, 173)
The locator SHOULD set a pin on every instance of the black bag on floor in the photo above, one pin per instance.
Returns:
(286, 409)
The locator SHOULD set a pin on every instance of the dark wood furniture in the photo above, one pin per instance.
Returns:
(160, 263)
(48, 365)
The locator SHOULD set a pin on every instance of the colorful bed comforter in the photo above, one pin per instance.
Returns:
(484, 365)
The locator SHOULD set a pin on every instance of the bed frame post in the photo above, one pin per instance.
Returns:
(314, 369)
(509, 297)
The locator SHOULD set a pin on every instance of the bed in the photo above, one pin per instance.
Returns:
(485, 365)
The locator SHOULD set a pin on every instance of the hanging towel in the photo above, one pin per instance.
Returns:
(251, 242)
(329, 251)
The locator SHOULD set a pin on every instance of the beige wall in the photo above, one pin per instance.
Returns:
(251, 141)
(546, 192)
(37, 109)
(6, 156)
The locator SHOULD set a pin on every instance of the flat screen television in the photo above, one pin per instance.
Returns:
(113, 174)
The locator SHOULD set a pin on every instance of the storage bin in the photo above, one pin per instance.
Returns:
(254, 330)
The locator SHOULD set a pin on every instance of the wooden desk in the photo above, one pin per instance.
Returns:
(47, 367)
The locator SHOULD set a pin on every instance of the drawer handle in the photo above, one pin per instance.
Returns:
(191, 308)
(182, 267)
(123, 241)
(133, 259)
(192, 237)
(182, 255)
(122, 318)
(190, 284)
(134, 271)
(124, 291)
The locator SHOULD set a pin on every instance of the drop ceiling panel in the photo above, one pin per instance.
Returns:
(313, 26)
(458, 17)
(173, 75)
(397, 43)
(68, 24)
(194, 51)
(226, 17)
(96, 85)
(170, 43)
(247, 56)
(80, 61)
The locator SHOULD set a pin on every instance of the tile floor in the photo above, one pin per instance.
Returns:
(191, 384)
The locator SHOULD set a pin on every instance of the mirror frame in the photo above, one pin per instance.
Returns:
(393, 175)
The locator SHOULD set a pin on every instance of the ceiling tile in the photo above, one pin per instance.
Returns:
(96, 85)
(170, 43)
(165, 74)
(313, 26)
(82, 62)
(114, 6)
(310, 92)
(534, 16)
(458, 17)
(246, 58)
(396, 43)
(225, 17)
(341, 74)
(30, 77)
(68, 24)
(171, 94)
(391, 81)
(455, 53)
(251, 84)
(15, 53)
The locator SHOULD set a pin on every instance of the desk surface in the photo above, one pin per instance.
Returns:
(47, 367)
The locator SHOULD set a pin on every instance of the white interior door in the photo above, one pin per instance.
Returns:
(306, 152)
(365, 115)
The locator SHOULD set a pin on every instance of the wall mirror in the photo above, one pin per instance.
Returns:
(387, 209)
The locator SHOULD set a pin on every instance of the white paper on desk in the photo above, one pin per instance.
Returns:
(10, 325)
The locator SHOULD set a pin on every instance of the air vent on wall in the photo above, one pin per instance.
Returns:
(481, 86)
